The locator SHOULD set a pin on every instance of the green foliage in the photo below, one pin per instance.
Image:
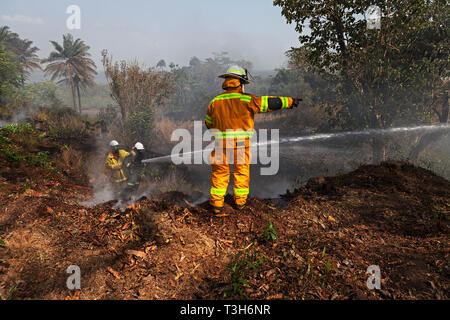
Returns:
(9, 82)
(22, 51)
(289, 83)
(197, 84)
(39, 159)
(13, 153)
(376, 78)
(139, 125)
(270, 233)
(14, 96)
(241, 266)
(42, 95)
(63, 123)
(5, 141)
(9, 69)
(328, 266)
(19, 129)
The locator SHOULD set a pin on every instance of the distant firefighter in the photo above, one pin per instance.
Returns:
(114, 162)
(133, 168)
(232, 115)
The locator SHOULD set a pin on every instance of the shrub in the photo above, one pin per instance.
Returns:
(241, 267)
(139, 125)
(62, 122)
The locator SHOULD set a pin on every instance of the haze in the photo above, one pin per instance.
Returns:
(173, 30)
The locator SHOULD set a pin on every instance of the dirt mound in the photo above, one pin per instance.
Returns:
(374, 195)
(319, 246)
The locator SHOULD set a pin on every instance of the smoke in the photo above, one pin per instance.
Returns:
(329, 154)
(99, 178)
(102, 194)
(16, 118)
(102, 188)
(301, 158)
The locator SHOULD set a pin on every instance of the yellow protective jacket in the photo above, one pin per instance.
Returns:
(235, 110)
(114, 163)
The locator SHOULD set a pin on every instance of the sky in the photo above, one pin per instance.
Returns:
(150, 30)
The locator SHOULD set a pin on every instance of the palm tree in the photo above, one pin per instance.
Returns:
(6, 35)
(71, 63)
(23, 51)
(27, 57)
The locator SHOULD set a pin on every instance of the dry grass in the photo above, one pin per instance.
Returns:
(73, 162)
(62, 123)
(164, 129)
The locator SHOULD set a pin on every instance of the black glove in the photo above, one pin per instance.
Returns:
(295, 102)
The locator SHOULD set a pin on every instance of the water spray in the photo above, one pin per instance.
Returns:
(320, 136)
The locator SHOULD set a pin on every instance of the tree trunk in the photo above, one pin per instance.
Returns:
(443, 115)
(73, 97)
(424, 141)
(79, 97)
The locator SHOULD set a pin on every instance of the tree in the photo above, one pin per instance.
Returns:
(42, 95)
(9, 77)
(10, 81)
(137, 91)
(194, 62)
(27, 58)
(22, 50)
(161, 64)
(197, 83)
(70, 62)
(382, 77)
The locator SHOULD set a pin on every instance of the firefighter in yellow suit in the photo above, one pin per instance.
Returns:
(114, 163)
(230, 115)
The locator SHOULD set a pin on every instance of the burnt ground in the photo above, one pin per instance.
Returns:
(317, 245)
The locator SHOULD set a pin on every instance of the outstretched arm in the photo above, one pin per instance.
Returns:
(270, 103)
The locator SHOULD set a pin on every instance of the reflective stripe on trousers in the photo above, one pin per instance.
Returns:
(221, 176)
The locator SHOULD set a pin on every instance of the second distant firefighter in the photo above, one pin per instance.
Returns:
(133, 168)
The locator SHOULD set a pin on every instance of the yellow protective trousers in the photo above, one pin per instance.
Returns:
(221, 158)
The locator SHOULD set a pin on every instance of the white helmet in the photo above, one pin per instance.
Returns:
(235, 71)
(139, 146)
(113, 143)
